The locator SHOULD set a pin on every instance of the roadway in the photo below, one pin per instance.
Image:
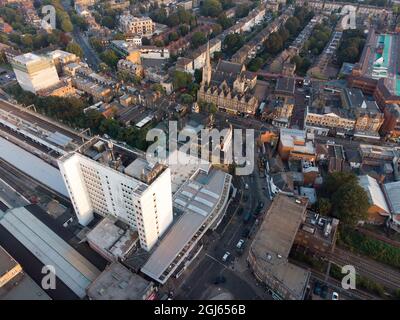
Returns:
(89, 53)
(198, 281)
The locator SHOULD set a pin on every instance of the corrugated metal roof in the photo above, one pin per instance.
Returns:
(70, 266)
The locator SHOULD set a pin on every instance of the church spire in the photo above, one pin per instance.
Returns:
(207, 67)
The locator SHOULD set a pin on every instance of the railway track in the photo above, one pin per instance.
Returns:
(376, 271)
(26, 185)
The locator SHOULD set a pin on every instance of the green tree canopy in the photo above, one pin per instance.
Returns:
(211, 8)
(75, 49)
(110, 58)
(198, 38)
(181, 79)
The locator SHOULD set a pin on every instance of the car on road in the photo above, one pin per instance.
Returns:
(246, 233)
(226, 256)
(317, 288)
(260, 205)
(247, 217)
(219, 279)
(246, 186)
(324, 292)
(239, 245)
(335, 296)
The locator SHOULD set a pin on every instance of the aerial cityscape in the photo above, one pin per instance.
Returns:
(200, 150)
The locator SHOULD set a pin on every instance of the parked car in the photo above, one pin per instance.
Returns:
(245, 233)
(239, 245)
(335, 296)
(226, 256)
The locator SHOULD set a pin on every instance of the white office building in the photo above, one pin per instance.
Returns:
(112, 180)
(34, 72)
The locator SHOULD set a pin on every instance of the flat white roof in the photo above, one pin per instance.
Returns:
(195, 215)
(27, 58)
(70, 266)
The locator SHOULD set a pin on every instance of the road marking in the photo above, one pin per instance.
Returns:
(216, 260)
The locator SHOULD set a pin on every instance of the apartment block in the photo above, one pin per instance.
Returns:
(109, 179)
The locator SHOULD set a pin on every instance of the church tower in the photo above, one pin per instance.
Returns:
(206, 80)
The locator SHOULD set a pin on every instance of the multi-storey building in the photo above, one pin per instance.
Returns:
(229, 87)
(133, 25)
(293, 144)
(344, 111)
(34, 72)
(129, 66)
(108, 179)
(367, 114)
(269, 252)
(377, 72)
(391, 124)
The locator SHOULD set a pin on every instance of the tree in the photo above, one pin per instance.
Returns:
(75, 48)
(292, 25)
(350, 203)
(158, 88)
(274, 43)
(27, 41)
(119, 36)
(211, 8)
(173, 36)
(233, 42)
(242, 10)
(108, 22)
(159, 43)
(145, 41)
(183, 30)
(335, 180)
(181, 79)
(198, 38)
(186, 98)
(213, 108)
(198, 75)
(324, 206)
(96, 44)
(224, 21)
(110, 58)
(255, 64)
(217, 29)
